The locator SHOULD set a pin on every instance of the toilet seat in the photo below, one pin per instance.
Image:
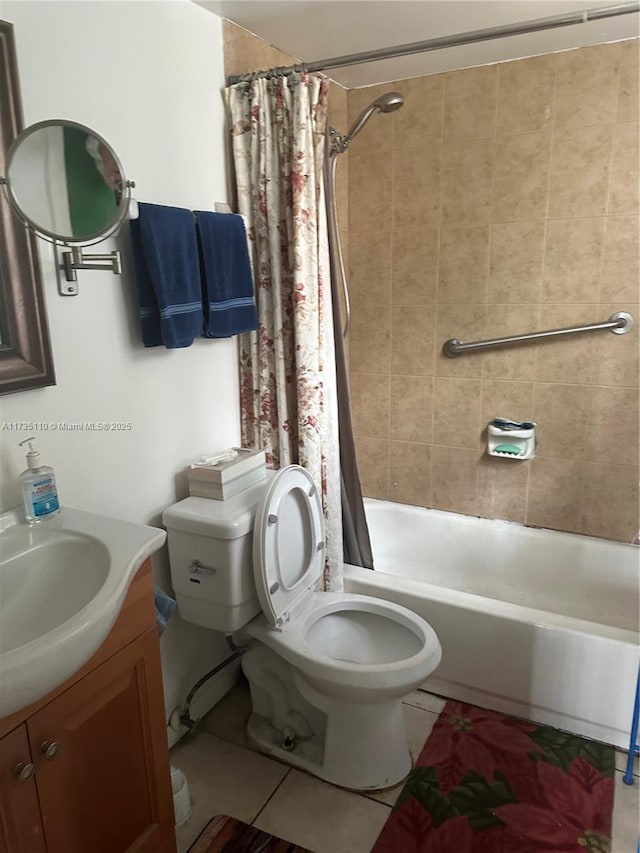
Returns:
(288, 543)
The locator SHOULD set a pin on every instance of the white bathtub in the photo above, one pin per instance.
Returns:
(535, 623)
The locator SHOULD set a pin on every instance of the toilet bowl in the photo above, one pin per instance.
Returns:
(355, 647)
(327, 670)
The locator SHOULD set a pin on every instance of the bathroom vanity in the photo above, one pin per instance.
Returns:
(86, 767)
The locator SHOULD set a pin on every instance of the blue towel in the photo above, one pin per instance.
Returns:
(229, 302)
(165, 608)
(165, 252)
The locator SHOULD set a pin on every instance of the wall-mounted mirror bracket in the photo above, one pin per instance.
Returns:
(71, 258)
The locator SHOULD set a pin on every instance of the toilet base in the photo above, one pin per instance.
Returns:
(358, 746)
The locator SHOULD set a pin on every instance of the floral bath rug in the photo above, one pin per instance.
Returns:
(224, 834)
(488, 783)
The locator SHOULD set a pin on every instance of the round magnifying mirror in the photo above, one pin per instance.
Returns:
(66, 182)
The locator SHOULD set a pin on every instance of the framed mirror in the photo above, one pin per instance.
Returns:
(25, 348)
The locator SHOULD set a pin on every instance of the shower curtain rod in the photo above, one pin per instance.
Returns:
(455, 40)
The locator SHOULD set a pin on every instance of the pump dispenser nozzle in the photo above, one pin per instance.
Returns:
(33, 455)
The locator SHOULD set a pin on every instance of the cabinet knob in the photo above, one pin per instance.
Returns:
(49, 749)
(23, 772)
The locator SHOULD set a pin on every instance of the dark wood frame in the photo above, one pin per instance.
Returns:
(25, 357)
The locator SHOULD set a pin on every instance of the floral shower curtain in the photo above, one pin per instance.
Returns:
(287, 370)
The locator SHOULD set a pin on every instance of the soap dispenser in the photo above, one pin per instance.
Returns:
(38, 482)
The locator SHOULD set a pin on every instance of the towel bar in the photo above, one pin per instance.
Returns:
(620, 323)
(134, 210)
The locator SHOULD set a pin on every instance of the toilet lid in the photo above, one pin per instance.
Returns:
(288, 542)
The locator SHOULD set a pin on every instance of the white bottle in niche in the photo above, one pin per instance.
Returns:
(38, 482)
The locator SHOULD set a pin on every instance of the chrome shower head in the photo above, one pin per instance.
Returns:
(387, 103)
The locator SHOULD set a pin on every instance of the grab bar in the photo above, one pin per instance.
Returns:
(620, 323)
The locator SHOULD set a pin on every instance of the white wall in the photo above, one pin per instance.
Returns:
(148, 77)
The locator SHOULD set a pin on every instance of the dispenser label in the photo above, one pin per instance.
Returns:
(44, 497)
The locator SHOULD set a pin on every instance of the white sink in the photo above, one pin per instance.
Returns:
(62, 584)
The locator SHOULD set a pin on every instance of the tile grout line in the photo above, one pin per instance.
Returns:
(483, 377)
(545, 233)
(420, 708)
(607, 203)
(434, 377)
(514, 380)
(392, 225)
(271, 796)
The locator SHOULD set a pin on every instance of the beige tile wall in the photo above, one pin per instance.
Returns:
(497, 200)
(500, 200)
(244, 51)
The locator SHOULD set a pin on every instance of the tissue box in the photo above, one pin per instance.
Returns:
(226, 479)
(222, 491)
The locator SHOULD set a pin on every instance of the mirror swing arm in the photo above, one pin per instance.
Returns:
(75, 259)
(68, 259)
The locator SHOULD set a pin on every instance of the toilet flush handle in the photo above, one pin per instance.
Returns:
(198, 568)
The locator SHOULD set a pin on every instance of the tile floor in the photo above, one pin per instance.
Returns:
(226, 776)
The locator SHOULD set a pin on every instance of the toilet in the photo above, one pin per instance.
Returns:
(327, 671)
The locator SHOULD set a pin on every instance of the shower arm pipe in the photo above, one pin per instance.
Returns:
(333, 165)
(619, 323)
(455, 40)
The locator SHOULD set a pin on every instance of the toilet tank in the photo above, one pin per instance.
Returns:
(211, 558)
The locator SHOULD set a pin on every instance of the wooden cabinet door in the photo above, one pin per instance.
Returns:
(20, 824)
(107, 789)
